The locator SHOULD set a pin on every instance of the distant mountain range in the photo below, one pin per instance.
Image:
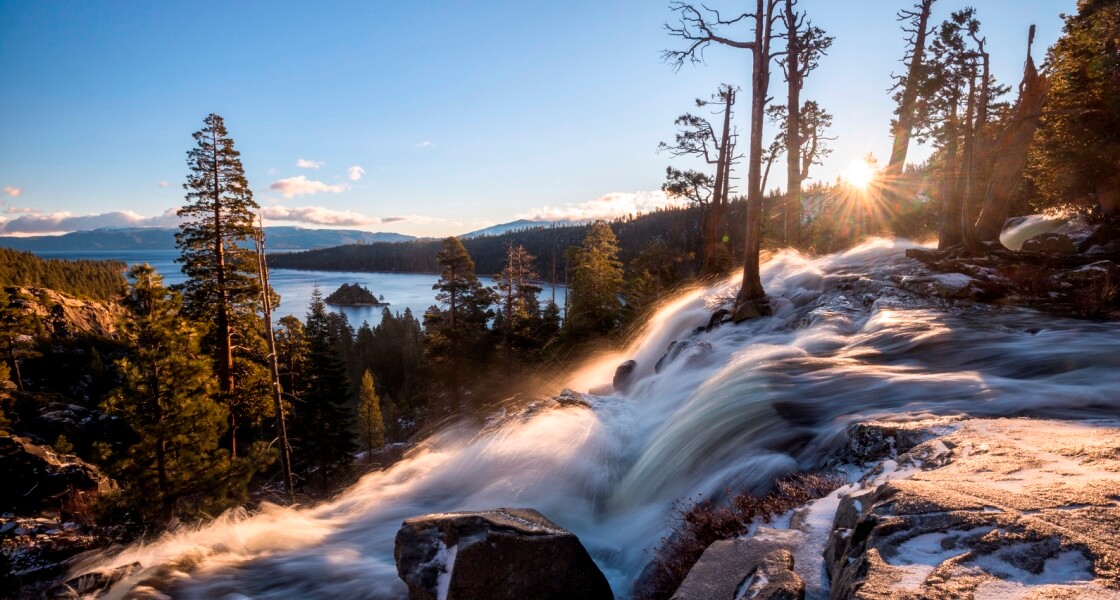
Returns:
(156, 238)
(517, 226)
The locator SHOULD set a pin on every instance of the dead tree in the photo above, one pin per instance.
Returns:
(908, 87)
(1011, 151)
(699, 30)
(698, 138)
(805, 44)
(273, 363)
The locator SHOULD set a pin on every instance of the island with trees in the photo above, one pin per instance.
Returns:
(354, 294)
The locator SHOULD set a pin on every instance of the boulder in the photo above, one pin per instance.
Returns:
(507, 553)
(624, 376)
(996, 508)
(1050, 243)
(34, 475)
(743, 568)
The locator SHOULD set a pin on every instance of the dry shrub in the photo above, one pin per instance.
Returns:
(696, 524)
(1098, 298)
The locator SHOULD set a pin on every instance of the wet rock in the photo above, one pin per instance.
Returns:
(995, 508)
(624, 376)
(34, 475)
(952, 286)
(507, 553)
(1050, 243)
(743, 568)
(675, 350)
(874, 441)
(751, 309)
(569, 398)
(718, 318)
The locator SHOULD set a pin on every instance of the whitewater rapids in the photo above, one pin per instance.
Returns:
(740, 406)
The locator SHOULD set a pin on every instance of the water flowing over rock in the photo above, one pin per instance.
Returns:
(845, 344)
(1051, 243)
(508, 553)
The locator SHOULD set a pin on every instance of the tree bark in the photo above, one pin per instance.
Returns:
(277, 391)
(717, 207)
(793, 130)
(1011, 152)
(907, 110)
(751, 301)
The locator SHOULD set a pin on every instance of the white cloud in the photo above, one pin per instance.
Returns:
(13, 191)
(301, 185)
(424, 144)
(607, 206)
(63, 221)
(164, 184)
(303, 163)
(355, 173)
(318, 215)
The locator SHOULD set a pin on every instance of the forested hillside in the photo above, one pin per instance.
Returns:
(90, 279)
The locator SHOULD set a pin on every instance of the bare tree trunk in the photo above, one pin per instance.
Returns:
(1011, 152)
(793, 130)
(714, 216)
(751, 301)
(907, 110)
(277, 391)
(950, 227)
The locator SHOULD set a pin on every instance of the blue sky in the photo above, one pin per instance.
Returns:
(459, 114)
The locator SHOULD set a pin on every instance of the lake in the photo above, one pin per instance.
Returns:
(401, 290)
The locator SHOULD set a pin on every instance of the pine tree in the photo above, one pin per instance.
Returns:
(323, 421)
(595, 308)
(1074, 162)
(370, 423)
(222, 289)
(176, 467)
(457, 335)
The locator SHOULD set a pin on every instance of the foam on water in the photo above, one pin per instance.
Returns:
(738, 407)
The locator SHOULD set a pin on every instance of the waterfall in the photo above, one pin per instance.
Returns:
(738, 406)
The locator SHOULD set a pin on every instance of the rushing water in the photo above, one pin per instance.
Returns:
(739, 406)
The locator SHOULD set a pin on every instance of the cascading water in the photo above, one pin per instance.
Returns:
(738, 406)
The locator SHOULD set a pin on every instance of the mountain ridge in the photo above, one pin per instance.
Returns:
(163, 238)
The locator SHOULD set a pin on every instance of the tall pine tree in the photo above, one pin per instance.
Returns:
(222, 289)
(176, 467)
(457, 334)
(595, 308)
(323, 420)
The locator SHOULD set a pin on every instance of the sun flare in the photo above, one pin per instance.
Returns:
(859, 174)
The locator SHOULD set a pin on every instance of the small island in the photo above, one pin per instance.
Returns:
(354, 294)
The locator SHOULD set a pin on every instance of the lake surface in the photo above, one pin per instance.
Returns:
(401, 290)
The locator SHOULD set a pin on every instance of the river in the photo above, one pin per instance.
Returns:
(738, 407)
(400, 290)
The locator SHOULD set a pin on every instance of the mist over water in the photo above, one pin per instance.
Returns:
(739, 406)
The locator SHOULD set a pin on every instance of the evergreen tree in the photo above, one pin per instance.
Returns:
(370, 422)
(594, 305)
(176, 467)
(323, 420)
(1075, 162)
(457, 335)
(520, 321)
(222, 289)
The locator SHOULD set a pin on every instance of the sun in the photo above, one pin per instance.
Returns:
(859, 174)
